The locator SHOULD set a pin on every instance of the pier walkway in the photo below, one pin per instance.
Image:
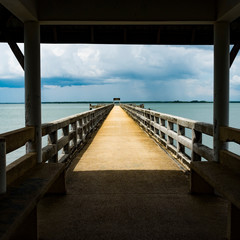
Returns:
(124, 186)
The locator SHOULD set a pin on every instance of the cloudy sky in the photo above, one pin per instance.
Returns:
(101, 72)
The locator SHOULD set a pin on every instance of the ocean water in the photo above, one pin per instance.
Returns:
(12, 116)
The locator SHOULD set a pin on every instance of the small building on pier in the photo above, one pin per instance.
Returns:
(116, 101)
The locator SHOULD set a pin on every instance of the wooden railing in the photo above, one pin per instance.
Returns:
(228, 158)
(74, 132)
(9, 142)
(171, 130)
(75, 129)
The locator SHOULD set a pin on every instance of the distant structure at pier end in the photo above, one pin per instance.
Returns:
(116, 101)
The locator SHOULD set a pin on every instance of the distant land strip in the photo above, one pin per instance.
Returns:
(91, 102)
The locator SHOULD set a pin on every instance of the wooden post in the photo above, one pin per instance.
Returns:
(66, 134)
(74, 128)
(221, 83)
(169, 127)
(52, 139)
(162, 124)
(33, 85)
(3, 182)
(196, 138)
(180, 132)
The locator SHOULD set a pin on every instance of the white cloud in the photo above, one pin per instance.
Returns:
(51, 86)
(235, 80)
(133, 71)
(9, 66)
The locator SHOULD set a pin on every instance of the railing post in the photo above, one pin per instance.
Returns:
(156, 121)
(169, 139)
(162, 124)
(52, 139)
(91, 119)
(66, 134)
(80, 129)
(74, 128)
(84, 129)
(180, 132)
(3, 181)
(196, 138)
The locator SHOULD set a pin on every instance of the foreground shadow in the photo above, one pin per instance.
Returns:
(131, 205)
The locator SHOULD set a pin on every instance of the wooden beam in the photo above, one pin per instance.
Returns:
(17, 52)
(234, 52)
(228, 11)
(23, 10)
(125, 12)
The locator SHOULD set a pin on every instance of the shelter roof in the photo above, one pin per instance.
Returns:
(122, 22)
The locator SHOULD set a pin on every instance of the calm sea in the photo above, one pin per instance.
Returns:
(12, 116)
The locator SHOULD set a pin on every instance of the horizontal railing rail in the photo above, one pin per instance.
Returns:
(10, 141)
(228, 158)
(74, 131)
(171, 132)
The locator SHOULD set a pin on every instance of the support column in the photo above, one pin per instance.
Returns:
(221, 83)
(33, 85)
(3, 178)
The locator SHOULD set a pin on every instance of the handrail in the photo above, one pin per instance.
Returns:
(170, 131)
(75, 130)
(18, 138)
(228, 158)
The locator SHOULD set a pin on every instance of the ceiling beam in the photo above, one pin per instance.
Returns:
(234, 52)
(24, 10)
(17, 52)
(228, 11)
(126, 12)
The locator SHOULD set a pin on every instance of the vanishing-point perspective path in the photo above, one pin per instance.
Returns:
(124, 186)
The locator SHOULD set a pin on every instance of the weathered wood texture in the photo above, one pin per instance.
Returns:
(229, 134)
(19, 167)
(18, 138)
(20, 201)
(170, 131)
(213, 175)
(75, 130)
(227, 158)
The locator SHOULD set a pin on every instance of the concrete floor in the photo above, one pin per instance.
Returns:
(123, 186)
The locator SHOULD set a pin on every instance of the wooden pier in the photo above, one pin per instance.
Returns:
(124, 186)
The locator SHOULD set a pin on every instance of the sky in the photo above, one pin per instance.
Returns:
(131, 72)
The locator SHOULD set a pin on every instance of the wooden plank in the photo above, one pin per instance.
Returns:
(18, 138)
(185, 141)
(230, 160)
(19, 167)
(229, 134)
(22, 196)
(62, 142)
(223, 179)
(48, 128)
(203, 151)
(49, 151)
(205, 128)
